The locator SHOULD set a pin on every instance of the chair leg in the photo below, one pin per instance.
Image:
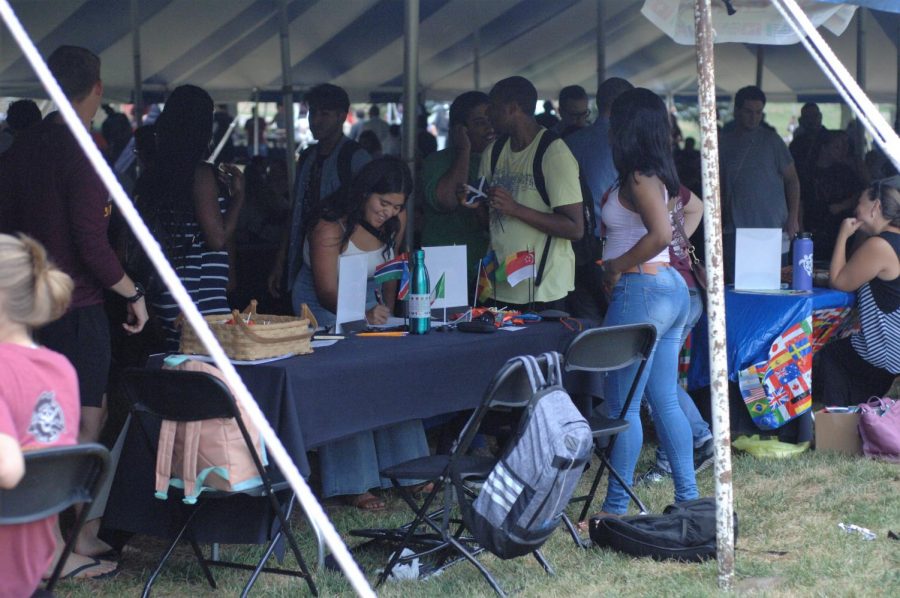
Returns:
(421, 518)
(573, 531)
(276, 506)
(484, 572)
(259, 566)
(166, 555)
(588, 501)
(202, 560)
(539, 556)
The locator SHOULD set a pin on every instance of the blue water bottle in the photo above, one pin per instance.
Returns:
(420, 296)
(803, 262)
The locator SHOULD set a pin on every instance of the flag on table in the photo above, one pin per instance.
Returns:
(485, 287)
(403, 291)
(438, 292)
(390, 270)
(489, 264)
(519, 267)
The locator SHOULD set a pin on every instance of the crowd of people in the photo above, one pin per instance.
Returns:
(65, 273)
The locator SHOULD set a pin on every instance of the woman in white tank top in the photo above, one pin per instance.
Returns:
(643, 288)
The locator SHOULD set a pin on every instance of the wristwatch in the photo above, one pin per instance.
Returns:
(138, 293)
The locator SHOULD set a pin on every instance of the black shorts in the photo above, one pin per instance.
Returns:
(82, 336)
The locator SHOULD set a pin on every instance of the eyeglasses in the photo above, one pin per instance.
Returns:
(577, 115)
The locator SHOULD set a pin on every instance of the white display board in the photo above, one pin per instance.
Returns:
(757, 263)
(351, 300)
(449, 260)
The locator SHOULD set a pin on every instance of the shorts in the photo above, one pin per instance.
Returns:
(82, 336)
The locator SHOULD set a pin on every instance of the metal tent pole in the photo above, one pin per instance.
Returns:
(255, 127)
(136, 54)
(601, 42)
(410, 97)
(860, 131)
(718, 360)
(284, 35)
(760, 59)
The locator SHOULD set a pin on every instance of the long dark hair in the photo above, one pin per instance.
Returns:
(387, 174)
(165, 191)
(641, 138)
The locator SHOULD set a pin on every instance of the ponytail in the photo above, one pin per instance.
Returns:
(33, 291)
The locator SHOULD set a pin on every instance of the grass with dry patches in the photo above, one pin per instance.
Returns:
(789, 544)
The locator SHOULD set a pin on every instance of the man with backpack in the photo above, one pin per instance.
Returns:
(534, 198)
(322, 169)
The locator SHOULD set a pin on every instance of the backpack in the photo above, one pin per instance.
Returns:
(686, 531)
(587, 249)
(522, 500)
(207, 454)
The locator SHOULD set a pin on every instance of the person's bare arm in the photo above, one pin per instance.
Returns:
(324, 251)
(792, 193)
(217, 229)
(12, 463)
(870, 259)
(447, 190)
(693, 214)
(274, 282)
(565, 222)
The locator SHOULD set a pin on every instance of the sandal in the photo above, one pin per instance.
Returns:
(84, 571)
(365, 502)
(583, 526)
(421, 490)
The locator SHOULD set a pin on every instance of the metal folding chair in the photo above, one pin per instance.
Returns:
(600, 350)
(439, 533)
(55, 479)
(194, 396)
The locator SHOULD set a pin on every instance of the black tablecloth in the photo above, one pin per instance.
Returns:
(358, 384)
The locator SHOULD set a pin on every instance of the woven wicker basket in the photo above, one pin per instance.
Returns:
(267, 336)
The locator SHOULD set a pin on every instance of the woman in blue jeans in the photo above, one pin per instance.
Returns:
(644, 288)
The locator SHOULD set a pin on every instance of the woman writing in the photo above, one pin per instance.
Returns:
(368, 219)
(850, 370)
(190, 207)
(643, 288)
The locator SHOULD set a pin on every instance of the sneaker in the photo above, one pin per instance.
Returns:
(654, 475)
(704, 455)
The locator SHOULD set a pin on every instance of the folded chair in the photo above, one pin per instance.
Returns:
(439, 533)
(601, 350)
(187, 396)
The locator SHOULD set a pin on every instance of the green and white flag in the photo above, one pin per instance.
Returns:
(438, 292)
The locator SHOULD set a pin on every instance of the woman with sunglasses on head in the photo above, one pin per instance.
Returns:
(368, 219)
(850, 370)
(644, 288)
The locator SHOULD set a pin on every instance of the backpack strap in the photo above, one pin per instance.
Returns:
(345, 161)
(164, 450)
(191, 448)
(540, 183)
(554, 370)
(496, 150)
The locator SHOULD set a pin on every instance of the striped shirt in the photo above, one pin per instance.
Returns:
(878, 302)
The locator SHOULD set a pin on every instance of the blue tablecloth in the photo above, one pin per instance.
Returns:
(753, 320)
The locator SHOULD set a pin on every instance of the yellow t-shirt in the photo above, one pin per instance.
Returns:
(514, 172)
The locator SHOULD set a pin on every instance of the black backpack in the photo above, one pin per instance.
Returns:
(587, 249)
(686, 531)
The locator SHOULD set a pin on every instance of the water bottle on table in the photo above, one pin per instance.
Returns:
(803, 262)
(420, 296)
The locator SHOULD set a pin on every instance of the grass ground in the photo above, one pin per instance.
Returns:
(789, 544)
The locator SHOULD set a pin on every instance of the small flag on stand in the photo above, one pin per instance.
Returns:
(391, 269)
(519, 267)
(438, 292)
(403, 291)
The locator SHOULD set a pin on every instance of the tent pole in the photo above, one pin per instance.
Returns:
(860, 131)
(136, 53)
(476, 57)
(288, 96)
(410, 97)
(255, 127)
(897, 94)
(760, 58)
(601, 42)
(718, 360)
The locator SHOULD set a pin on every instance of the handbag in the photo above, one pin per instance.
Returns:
(879, 428)
(698, 269)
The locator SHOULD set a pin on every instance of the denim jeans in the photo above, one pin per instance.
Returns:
(699, 428)
(661, 300)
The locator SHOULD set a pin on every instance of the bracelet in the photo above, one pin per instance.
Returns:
(138, 293)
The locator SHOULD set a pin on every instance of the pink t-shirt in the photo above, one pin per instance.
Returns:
(38, 406)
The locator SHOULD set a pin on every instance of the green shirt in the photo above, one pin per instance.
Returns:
(459, 226)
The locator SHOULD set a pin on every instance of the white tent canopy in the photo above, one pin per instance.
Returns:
(230, 47)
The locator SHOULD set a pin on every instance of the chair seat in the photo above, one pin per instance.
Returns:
(605, 426)
(432, 467)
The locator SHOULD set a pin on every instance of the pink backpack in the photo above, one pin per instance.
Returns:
(207, 454)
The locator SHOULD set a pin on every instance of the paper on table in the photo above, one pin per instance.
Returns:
(392, 322)
(757, 264)
(351, 299)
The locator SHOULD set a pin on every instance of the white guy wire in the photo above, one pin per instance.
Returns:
(845, 84)
(273, 444)
(222, 142)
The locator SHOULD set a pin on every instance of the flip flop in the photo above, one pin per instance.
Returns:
(366, 502)
(95, 562)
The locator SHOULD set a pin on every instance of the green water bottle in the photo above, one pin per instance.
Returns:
(419, 296)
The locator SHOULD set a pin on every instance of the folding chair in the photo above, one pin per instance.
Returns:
(607, 349)
(444, 537)
(55, 479)
(194, 396)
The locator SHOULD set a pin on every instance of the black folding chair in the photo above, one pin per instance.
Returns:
(440, 533)
(601, 350)
(194, 396)
(55, 479)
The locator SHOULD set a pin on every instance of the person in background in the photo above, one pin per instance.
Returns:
(38, 408)
(547, 118)
(192, 208)
(850, 370)
(20, 115)
(368, 140)
(644, 288)
(377, 125)
(444, 176)
(368, 220)
(573, 110)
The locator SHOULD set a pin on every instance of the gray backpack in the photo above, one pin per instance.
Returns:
(522, 501)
